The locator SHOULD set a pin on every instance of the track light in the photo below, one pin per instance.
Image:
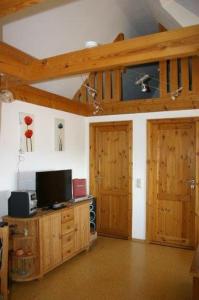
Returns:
(143, 82)
(93, 93)
(175, 94)
(145, 88)
(142, 79)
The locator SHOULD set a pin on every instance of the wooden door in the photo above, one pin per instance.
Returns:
(82, 226)
(110, 176)
(171, 182)
(51, 241)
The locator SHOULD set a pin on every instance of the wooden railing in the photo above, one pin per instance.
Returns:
(176, 73)
(173, 74)
(108, 84)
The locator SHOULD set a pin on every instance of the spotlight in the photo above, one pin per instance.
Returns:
(176, 93)
(92, 92)
(143, 82)
(145, 88)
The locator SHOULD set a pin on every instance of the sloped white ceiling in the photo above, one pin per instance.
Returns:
(59, 26)
(192, 5)
(175, 13)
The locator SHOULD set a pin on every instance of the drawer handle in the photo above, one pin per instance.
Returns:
(68, 227)
(69, 251)
(69, 239)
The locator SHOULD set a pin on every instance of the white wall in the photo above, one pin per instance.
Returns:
(139, 159)
(44, 157)
(76, 155)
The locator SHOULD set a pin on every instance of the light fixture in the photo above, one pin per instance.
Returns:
(91, 92)
(97, 107)
(91, 44)
(176, 93)
(142, 79)
(96, 104)
(6, 95)
(145, 88)
(143, 82)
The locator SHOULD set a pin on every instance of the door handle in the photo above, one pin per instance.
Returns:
(191, 182)
(98, 177)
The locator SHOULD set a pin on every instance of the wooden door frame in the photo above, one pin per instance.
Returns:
(193, 120)
(92, 132)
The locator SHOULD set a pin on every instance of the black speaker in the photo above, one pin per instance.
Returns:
(93, 215)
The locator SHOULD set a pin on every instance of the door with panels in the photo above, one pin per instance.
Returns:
(110, 176)
(171, 181)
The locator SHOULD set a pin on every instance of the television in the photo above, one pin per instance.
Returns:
(53, 188)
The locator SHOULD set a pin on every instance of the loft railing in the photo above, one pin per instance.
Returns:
(176, 73)
(108, 84)
(173, 74)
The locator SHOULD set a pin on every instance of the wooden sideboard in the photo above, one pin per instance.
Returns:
(43, 242)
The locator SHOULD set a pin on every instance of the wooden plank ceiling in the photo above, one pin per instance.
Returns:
(24, 69)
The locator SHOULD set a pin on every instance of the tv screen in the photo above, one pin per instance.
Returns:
(53, 187)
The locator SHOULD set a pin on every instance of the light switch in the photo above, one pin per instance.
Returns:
(138, 183)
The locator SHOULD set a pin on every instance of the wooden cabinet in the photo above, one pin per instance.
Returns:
(51, 241)
(68, 228)
(24, 246)
(82, 227)
(50, 237)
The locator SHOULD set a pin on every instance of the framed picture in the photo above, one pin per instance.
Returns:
(26, 122)
(59, 134)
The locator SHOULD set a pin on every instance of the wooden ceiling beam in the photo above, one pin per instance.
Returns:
(8, 7)
(36, 96)
(154, 47)
(15, 62)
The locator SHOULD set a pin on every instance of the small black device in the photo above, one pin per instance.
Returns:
(53, 188)
(22, 204)
(92, 214)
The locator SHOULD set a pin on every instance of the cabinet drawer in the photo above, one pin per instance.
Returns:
(67, 239)
(67, 227)
(68, 250)
(67, 215)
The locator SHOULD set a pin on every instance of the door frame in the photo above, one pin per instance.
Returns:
(92, 163)
(194, 120)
